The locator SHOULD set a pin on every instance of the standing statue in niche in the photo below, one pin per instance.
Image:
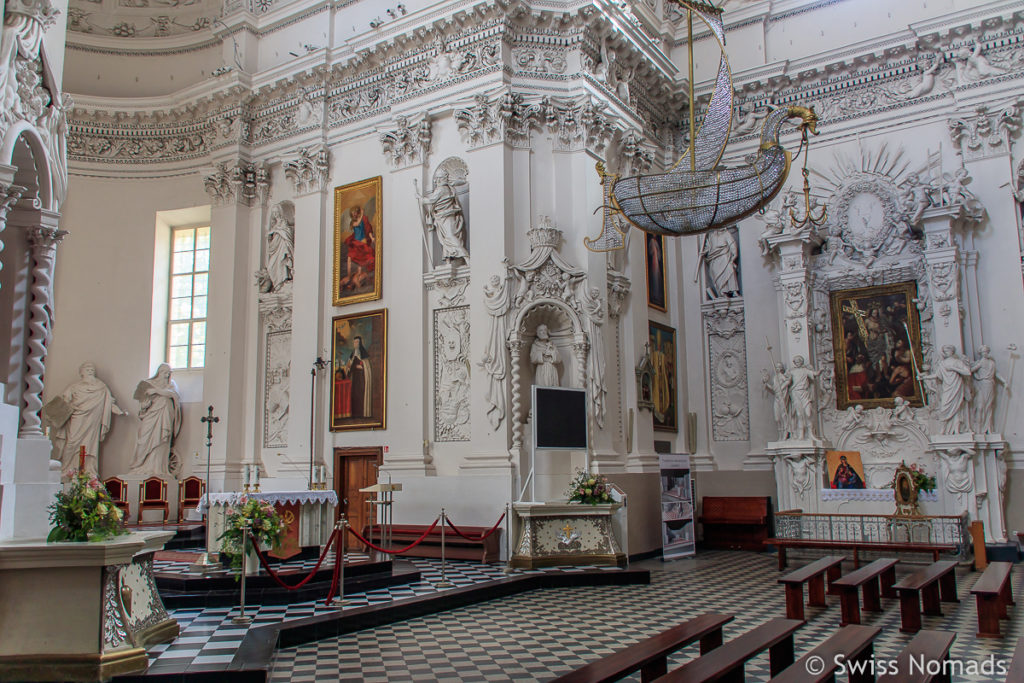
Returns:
(280, 247)
(803, 402)
(544, 356)
(777, 383)
(985, 378)
(952, 373)
(443, 215)
(80, 416)
(720, 254)
(159, 422)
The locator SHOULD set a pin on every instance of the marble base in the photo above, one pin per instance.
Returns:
(566, 534)
(80, 611)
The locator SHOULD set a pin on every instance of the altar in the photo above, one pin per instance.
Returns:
(562, 533)
(308, 514)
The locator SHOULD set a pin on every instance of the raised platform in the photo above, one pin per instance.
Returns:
(179, 587)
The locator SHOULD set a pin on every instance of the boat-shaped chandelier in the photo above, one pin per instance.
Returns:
(696, 194)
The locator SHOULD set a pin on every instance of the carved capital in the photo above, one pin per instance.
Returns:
(409, 142)
(238, 181)
(310, 170)
(618, 290)
(44, 241)
(985, 133)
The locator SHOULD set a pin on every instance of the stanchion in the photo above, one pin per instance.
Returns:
(241, 619)
(508, 540)
(339, 562)
(444, 582)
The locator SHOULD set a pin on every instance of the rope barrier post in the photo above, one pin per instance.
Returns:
(444, 582)
(241, 619)
(509, 569)
(339, 562)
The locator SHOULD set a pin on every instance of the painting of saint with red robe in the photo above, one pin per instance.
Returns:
(359, 371)
(357, 242)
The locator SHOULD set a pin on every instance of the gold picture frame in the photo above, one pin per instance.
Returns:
(874, 360)
(662, 339)
(359, 375)
(358, 243)
(654, 256)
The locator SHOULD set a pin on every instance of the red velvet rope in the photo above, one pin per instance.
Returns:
(481, 536)
(394, 552)
(276, 578)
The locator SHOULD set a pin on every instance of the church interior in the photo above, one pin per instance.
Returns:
(511, 340)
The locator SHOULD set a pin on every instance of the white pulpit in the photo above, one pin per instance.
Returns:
(315, 518)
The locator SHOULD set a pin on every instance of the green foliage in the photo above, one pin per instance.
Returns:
(589, 488)
(263, 523)
(85, 512)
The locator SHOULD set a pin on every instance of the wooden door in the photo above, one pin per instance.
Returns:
(354, 469)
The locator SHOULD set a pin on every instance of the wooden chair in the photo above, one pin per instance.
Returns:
(190, 492)
(153, 496)
(118, 490)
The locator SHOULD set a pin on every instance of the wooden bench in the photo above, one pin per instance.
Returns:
(650, 656)
(877, 579)
(814, 576)
(852, 643)
(993, 593)
(927, 646)
(934, 583)
(735, 522)
(727, 661)
(856, 547)
(455, 547)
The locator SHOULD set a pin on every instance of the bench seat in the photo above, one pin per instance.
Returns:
(781, 544)
(814, 576)
(855, 643)
(877, 580)
(934, 584)
(927, 646)
(994, 594)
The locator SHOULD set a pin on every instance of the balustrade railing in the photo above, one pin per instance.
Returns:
(925, 529)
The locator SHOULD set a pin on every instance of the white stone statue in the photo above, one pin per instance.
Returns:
(985, 378)
(778, 384)
(803, 403)
(927, 80)
(593, 306)
(957, 471)
(917, 197)
(444, 216)
(952, 373)
(720, 254)
(280, 247)
(544, 356)
(497, 301)
(972, 65)
(159, 422)
(800, 471)
(86, 407)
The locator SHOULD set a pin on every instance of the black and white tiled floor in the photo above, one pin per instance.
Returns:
(209, 639)
(544, 633)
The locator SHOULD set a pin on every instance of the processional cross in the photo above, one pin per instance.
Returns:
(209, 419)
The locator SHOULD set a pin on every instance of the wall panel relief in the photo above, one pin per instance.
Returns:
(451, 374)
(727, 359)
(277, 322)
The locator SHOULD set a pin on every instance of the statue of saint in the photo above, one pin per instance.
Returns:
(544, 356)
(778, 383)
(159, 422)
(803, 402)
(952, 373)
(280, 247)
(720, 254)
(80, 416)
(985, 378)
(444, 216)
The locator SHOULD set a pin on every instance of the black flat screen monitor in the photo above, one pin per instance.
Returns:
(560, 418)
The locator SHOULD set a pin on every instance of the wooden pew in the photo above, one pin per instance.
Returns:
(877, 579)
(855, 643)
(927, 646)
(735, 522)
(814, 576)
(993, 593)
(934, 583)
(781, 544)
(650, 656)
(726, 662)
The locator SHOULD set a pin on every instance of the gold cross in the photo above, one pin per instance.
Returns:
(567, 529)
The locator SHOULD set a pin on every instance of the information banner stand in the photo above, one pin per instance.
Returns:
(677, 533)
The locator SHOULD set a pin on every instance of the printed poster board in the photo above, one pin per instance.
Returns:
(677, 532)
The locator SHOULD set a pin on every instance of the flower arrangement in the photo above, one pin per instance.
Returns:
(589, 488)
(85, 512)
(922, 480)
(265, 525)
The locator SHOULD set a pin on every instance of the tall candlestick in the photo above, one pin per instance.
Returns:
(246, 476)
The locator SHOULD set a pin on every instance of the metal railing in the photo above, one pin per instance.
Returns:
(925, 529)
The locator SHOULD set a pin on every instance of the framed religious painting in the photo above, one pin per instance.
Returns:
(359, 358)
(876, 336)
(663, 375)
(845, 470)
(358, 226)
(654, 251)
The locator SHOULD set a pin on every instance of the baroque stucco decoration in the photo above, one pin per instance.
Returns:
(727, 359)
(544, 289)
(310, 170)
(451, 374)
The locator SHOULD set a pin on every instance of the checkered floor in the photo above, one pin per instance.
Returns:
(183, 567)
(541, 634)
(208, 639)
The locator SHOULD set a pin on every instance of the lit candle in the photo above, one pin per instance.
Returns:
(256, 475)
(245, 475)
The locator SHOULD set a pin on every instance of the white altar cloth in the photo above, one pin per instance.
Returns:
(316, 514)
(272, 497)
(873, 495)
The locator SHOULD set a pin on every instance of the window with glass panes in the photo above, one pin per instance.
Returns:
(190, 265)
